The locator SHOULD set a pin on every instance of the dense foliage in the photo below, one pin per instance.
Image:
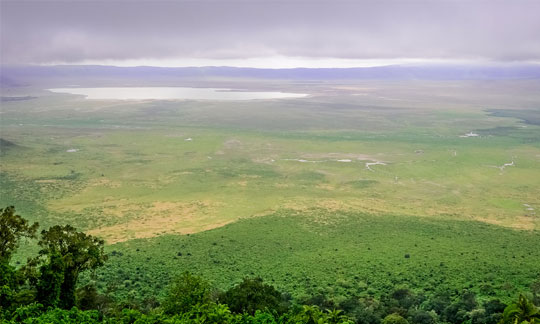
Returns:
(339, 255)
(45, 290)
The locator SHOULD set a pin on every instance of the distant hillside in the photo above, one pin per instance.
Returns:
(6, 82)
(5, 145)
(16, 98)
(14, 75)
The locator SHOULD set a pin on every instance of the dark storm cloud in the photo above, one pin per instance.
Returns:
(46, 31)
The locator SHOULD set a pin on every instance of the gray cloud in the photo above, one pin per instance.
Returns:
(47, 31)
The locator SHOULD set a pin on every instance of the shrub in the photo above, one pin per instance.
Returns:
(187, 291)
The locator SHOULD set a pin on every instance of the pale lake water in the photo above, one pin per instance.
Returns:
(172, 93)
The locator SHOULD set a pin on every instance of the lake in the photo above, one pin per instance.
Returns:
(172, 93)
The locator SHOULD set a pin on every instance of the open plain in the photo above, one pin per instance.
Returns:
(353, 158)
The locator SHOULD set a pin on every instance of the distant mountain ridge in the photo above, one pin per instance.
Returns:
(391, 72)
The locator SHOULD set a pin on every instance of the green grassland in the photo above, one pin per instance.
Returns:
(133, 165)
(134, 175)
(339, 255)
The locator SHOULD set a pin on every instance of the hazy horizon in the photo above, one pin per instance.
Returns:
(261, 34)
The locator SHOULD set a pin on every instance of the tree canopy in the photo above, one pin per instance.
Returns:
(64, 254)
(12, 229)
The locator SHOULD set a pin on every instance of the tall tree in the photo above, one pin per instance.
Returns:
(68, 252)
(13, 228)
(50, 281)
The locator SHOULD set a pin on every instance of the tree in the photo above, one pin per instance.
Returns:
(336, 316)
(251, 295)
(89, 298)
(319, 300)
(8, 285)
(208, 313)
(12, 229)
(493, 311)
(419, 316)
(439, 302)
(394, 319)
(459, 311)
(523, 311)
(67, 254)
(535, 290)
(310, 315)
(187, 291)
(404, 297)
(50, 281)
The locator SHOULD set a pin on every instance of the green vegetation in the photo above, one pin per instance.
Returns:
(186, 292)
(126, 169)
(54, 273)
(340, 206)
(49, 294)
(64, 255)
(523, 311)
(252, 295)
(336, 254)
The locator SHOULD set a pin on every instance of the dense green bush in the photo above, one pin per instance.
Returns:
(394, 318)
(253, 295)
(187, 291)
(43, 291)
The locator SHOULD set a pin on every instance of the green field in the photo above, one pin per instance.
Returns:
(340, 255)
(326, 192)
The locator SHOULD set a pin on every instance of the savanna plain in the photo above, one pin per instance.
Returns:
(353, 191)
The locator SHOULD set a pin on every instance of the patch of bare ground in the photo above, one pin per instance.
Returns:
(283, 185)
(356, 156)
(163, 218)
(524, 223)
(119, 209)
(111, 206)
(489, 221)
(325, 186)
(243, 183)
(104, 182)
(191, 217)
(232, 144)
(46, 181)
(369, 205)
(418, 208)
(266, 160)
(250, 176)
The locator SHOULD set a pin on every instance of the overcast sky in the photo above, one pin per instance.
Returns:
(269, 33)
